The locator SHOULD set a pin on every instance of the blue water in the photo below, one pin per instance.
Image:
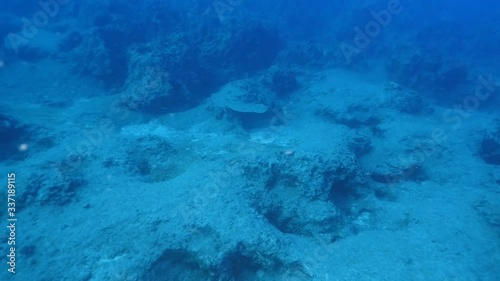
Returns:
(236, 140)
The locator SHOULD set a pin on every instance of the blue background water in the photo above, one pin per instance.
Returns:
(250, 140)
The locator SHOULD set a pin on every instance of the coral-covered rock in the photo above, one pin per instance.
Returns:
(254, 48)
(244, 96)
(427, 72)
(148, 86)
(306, 194)
(59, 189)
(284, 83)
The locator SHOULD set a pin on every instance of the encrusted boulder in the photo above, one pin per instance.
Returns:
(244, 96)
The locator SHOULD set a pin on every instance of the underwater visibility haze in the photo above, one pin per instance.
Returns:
(238, 140)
